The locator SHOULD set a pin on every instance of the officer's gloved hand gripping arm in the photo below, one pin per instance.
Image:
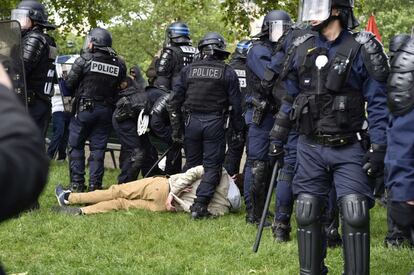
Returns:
(174, 107)
(376, 70)
(282, 126)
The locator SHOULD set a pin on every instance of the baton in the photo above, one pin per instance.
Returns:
(158, 161)
(266, 208)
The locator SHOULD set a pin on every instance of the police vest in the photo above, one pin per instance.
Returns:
(325, 103)
(206, 87)
(41, 79)
(101, 76)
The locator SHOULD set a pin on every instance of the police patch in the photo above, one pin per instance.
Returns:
(103, 68)
(205, 72)
(188, 49)
(243, 83)
(240, 73)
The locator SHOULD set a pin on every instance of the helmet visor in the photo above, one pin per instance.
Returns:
(86, 42)
(314, 10)
(277, 28)
(22, 16)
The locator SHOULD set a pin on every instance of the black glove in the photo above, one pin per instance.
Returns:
(177, 136)
(373, 162)
(237, 137)
(276, 154)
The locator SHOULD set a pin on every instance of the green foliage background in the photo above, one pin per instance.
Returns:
(138, 26)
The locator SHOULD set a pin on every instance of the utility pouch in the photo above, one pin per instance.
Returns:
(259, 109)
(338, 72)
(303, 115)
(86, 104)
(340, 108)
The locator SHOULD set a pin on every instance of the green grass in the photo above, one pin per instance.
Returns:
(141, 242)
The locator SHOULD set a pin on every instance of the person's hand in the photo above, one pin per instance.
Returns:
(238, 137)
(373, 162)
(276, 152)
(169, 203)
(177, 136)
(4, 78)
(186, 190)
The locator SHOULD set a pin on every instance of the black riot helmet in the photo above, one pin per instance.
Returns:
(213, 44)
(397, 42)
(242, 48)
(274, 24)
(33, 10)
(178, 33)
(99, 37)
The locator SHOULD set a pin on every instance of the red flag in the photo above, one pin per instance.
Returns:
(372, 27)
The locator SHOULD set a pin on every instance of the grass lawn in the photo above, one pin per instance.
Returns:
(140, 242)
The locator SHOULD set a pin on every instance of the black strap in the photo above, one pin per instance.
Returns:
(290, 54)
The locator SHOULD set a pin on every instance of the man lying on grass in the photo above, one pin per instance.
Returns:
(176, 193)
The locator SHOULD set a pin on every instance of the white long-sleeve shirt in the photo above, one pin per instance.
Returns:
(227, 196)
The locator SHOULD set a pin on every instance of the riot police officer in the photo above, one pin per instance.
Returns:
(235, 148)
(176, 54)
(39, 53)
(395, 236)
(95, 76)
(400, 153)
(206, 90)
(262, 106)
(330, 76)
(137, 152)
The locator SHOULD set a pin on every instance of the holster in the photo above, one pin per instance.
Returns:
(86, 104)
(259, 110)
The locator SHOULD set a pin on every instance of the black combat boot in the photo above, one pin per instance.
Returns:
(77, 187)
(281, 231)
(93, 187)
(199, 211)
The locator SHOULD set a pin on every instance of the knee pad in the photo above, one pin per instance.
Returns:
(137, 158)
(259, 172)
(309, 209)
(355, 210)
(355, 233)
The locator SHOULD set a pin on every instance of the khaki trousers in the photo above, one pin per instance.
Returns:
(149, 193)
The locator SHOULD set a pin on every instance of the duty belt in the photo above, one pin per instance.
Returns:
(335, 140)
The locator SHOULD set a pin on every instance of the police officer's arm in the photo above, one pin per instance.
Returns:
(375, 69)
(75, 74)
(281, 128)
(177, 97)
(174, 106)
(274, 67)
(164, 69)
(33, 48)
(258, 59)
(234, 97)
(23, 163)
